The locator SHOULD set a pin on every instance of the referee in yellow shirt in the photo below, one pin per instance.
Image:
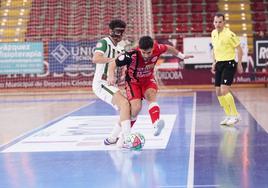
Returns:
(224, 43)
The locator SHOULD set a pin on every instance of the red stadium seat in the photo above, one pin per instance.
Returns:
(181, 8)
(156, 10)
(209, 17)
(259, 16)
(155, 2)
(182, 18)
(258, 6)
(196, 8)
(167, 28)
(167, 18)
(211, 7)
(209, 27)
(182, 28)
(211, 1)
(261, 26)
(196, 1)
(197, 18)
(167, 1)
(197, 28)
(167, 9)
(155, 19)
(181, 1)
(156, 29)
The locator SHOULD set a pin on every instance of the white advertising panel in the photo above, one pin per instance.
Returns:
(201, 48)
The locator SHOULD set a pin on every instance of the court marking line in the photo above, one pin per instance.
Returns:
(70, 134)
(51, 122)
(190, 178)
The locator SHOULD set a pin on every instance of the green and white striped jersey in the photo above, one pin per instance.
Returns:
(107, 47)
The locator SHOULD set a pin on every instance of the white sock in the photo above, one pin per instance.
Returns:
(116, 131)
(125, 127)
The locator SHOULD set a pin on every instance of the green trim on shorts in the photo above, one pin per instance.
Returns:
(107, 89)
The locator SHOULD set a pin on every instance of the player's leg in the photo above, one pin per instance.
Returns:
(133, 92)
(124, 112)
(113, 96)
(221, 99)
(135, 106)
(150, 94)
(227, 80)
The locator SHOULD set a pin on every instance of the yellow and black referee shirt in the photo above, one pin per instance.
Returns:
(224, 44)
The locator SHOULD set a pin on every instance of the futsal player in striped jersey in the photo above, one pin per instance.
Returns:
(107, 49)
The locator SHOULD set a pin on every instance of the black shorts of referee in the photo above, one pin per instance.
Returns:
(225, 71)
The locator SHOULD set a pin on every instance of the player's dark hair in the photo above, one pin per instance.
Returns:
(146, 42)
(117, 24)
(219, 14)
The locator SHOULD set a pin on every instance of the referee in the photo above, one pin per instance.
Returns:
(224, 43)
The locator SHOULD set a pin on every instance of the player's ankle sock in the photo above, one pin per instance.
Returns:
(230, 101)
(125, 128)
(116, 131)
(154, 111)
(224, 105)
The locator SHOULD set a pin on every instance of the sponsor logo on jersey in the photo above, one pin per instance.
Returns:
(154, 59)
(99, 45)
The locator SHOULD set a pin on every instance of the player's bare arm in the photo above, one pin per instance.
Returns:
(239, 56)
(111, 72)
(99, 58)
(175, 52)
(214, 62)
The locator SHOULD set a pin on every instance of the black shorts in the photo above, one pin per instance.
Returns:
(225, 71)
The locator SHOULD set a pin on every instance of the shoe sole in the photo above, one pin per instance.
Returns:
(107, 143)
(161, 125)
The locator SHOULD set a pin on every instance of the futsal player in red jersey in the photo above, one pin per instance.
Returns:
(140, 81)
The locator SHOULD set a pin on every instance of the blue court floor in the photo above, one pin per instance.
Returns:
(199, 153)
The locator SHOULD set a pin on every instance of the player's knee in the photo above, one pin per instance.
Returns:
(135, 110)
(124, 104)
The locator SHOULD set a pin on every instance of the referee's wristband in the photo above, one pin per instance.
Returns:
(180, 55)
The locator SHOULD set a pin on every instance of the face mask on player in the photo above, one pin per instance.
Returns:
(117, 32)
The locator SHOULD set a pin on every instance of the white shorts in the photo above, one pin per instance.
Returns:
(104, 91)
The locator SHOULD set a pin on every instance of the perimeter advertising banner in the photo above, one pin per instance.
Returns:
(72, 57)
(68, 65)
(201, 48)
(21, 58)
(261, 52)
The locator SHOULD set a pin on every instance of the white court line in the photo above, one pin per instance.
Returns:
(190, 178)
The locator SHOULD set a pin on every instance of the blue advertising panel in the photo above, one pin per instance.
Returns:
(74, 57)
(21, 58)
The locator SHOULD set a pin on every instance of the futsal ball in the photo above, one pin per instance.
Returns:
(135, 141)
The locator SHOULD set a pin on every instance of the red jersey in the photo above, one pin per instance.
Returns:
(140, 70)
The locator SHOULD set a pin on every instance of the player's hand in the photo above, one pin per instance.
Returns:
(213, 68)
(188, 56)
(111, 80)
(239, 68)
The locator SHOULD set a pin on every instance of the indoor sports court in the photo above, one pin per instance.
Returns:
(57, 141)
(53, 125)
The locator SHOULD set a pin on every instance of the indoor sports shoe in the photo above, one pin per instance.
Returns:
(110, 141)
(122, 143)
(224, 122)
(233, 120)
(158, 126)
